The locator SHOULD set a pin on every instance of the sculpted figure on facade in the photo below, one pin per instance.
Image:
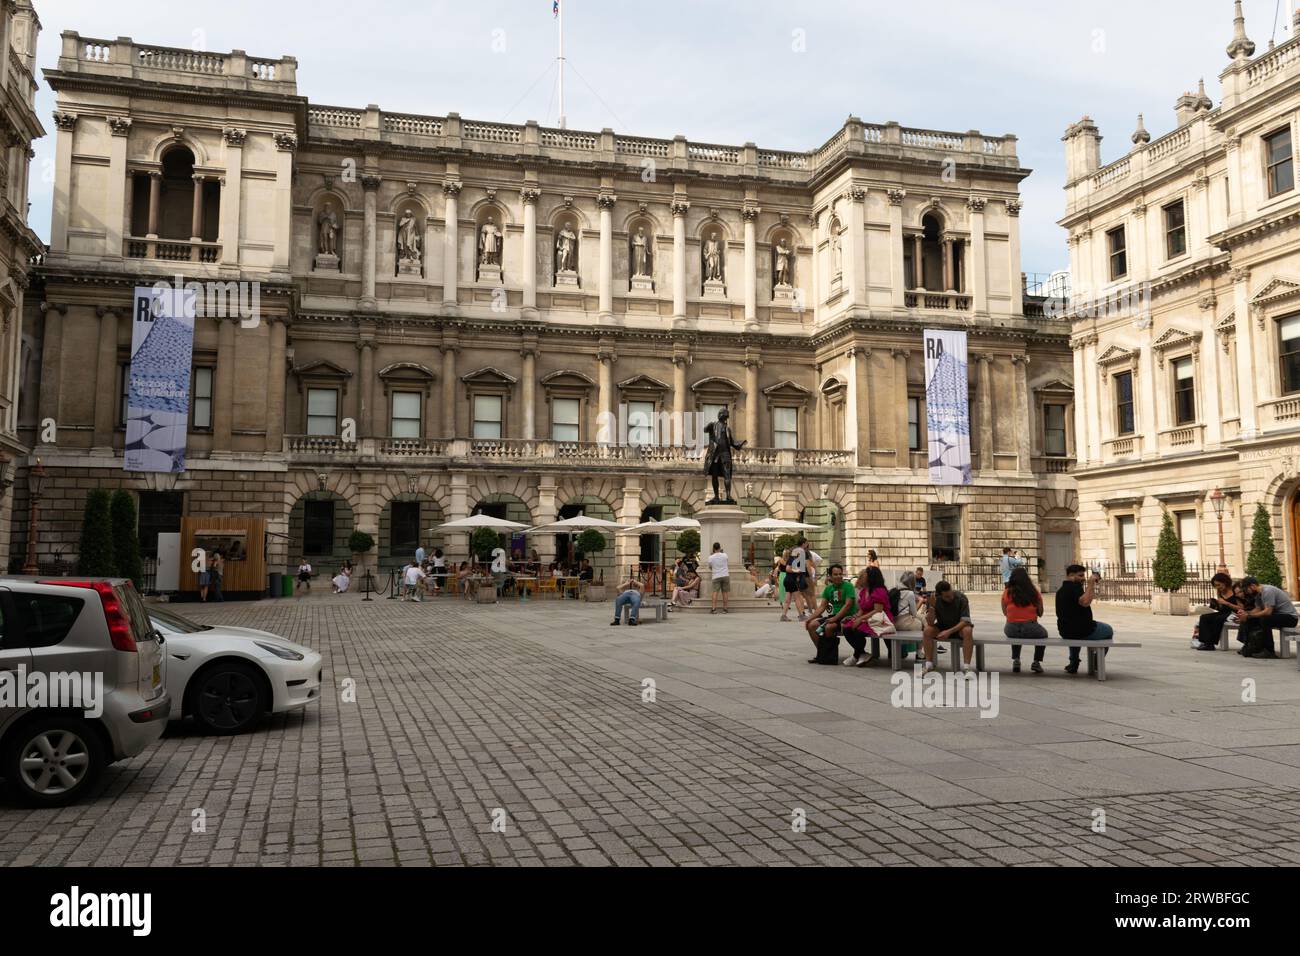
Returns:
(640, 254)
(781, 270)
(408, 238)
(565, 244)
(489, 244)
(712, 258)
(327, 232)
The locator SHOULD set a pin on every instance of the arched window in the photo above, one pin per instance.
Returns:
(181, 206)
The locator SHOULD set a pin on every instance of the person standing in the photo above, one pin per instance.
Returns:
(949, 616)
(1074, 619)
(217, 565)
(1010, 561)
(1022, 606)
(439, 570)
(795, 583)
(721, 584)
(810, 579)
(1273, 609)
(419, 555)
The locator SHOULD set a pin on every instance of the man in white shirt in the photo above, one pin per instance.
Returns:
(721, 572)
(414, 575)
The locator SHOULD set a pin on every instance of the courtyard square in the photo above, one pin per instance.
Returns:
(533, 717)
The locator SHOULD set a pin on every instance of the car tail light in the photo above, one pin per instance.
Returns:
(119, 625)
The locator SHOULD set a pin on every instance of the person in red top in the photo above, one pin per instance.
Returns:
(1023, 606)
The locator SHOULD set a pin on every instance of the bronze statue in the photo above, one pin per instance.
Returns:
(717, 460)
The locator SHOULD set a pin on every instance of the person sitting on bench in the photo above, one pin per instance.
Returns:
(1273, 609)
(839, 601)
(1022, 606)
(1074, 620)
(630, 597)
(948, 617)
(1209, 629)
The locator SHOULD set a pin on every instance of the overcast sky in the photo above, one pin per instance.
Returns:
(724, 71)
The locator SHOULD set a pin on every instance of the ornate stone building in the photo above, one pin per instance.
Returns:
(459, 315)
(19, 245)
(1192, 384)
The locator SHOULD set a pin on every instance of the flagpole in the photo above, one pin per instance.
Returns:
(560, 18)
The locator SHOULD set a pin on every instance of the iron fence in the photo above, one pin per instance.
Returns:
(1120, 581)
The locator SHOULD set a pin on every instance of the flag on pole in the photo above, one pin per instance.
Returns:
(555, 8)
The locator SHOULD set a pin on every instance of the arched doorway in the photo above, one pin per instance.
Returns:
(508, 508)
(407, 522)
(320, 524)
(828, 539)
(655, 547)
(566, 544)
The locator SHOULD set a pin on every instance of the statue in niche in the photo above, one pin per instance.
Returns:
(781, 270)
(327, 232)
(837, 249)
(489, 244)
(565, 244)
(408, 238)
(712, 258)
(640, 254)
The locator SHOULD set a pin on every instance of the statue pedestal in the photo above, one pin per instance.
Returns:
(783, 295)
(409, 267)
(326, 262)
(566, 279)
(643, 284)
(489, 275)
(715, 289)
(721, 523)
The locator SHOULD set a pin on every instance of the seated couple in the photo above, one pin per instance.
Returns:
(869, 611)
(1258, 609)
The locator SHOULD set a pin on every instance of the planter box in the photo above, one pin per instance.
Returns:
(1173, 603)
(595, 593)
(485, 594)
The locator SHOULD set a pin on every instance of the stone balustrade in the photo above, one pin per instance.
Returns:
(126, 59)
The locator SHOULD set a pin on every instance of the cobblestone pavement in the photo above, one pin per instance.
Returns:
(532, 716)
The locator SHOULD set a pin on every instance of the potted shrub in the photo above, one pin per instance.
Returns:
(1262, 562)
(1169, 572)
(359, 543)
(95, 556)
(482, 543)
(591, 542)
(688, 544)
(126, 539)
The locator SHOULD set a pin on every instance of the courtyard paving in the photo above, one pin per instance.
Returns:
(520, 734)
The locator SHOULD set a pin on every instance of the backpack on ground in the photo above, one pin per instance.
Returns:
(828, 649)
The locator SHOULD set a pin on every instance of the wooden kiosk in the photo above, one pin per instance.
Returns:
(240, 539)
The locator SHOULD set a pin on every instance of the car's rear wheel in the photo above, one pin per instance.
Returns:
(52, 761)
(228, 697)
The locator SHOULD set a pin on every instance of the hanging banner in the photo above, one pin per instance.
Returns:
(947, 409)
(158, 393)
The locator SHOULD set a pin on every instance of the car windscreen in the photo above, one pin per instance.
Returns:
(172, 621)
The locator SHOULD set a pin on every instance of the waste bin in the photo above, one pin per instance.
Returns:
(288, 586)
(277, 587)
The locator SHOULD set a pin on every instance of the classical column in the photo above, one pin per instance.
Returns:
(1245, 353)
(119, 204)
(1207, 373)
(1023, 413)
(450, 244)
(275, 386)
(815, 221)
(752, 397)
(449, 350)
(602, 429)
(1084, 407)
(862, 404)
(528, 386)
(680, 435)
(231, 191)
(529, 195)
(223, 387)
(858, 243)
(606, 203)
(196, 210)
(1013, 257)
(904, 456)
(62, 208)
(985, 396)
(750, 215)
(51, 363)
(155, 202)
(853, 391)
(1137, 247)
(949, 281)
(918, 261)
(366, 388)
(898, 278)
(107, 399)
(680, 208)
(978, 267)
(1097, 396)
(370, 183)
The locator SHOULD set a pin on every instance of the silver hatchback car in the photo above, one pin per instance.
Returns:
(82, 683)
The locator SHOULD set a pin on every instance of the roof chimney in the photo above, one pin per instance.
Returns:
(1185, 108)
(1082, 149)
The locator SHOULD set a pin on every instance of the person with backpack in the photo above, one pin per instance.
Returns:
(837, 603)
(1022, 605)
(875, 617)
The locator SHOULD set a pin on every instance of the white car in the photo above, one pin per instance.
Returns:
(227, 677)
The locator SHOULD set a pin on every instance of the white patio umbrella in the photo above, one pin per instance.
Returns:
(474, 522)
(577, 523)
(777, 526)
(679, 523)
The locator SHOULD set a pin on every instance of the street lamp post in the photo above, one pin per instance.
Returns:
(35, 481)
(1217, 499)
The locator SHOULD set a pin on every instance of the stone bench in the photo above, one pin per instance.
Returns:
(1096, 661)
(658, 605)
(1285, 637)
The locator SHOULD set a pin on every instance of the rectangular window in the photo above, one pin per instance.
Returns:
(322, 411)
(487, 416)
(406, 527)
(914, 424)
(785, 428)
(640, 423)
(565, 419)
(1277, 156)
(1126, 528)
(1117, 248)
(1189, 535)
(160, 513)
(1184, 392)
(1124, 422)
(318, 527)
(1054, 431)
(406, 414)
(201, 400)
(1289, 348)
(945, 532)
(1175, 230)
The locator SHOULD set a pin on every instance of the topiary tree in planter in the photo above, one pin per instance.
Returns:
(785, 541)
(483, 542)
(1262, 562)
(590, 543)
(1169, 571)
(360, 544)
(95, 556)
(688, 543)
(126, 539)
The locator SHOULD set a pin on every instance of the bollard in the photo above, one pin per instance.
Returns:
(368, 585)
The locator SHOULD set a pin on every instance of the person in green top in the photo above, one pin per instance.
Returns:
(839, 601)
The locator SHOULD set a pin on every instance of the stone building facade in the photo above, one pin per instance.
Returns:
(459, 315)
(1191, 384)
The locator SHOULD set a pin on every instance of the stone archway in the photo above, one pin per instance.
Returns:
(501, 504)
(828, 539)
(407, 522)
(566, 545)
(320, 524)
